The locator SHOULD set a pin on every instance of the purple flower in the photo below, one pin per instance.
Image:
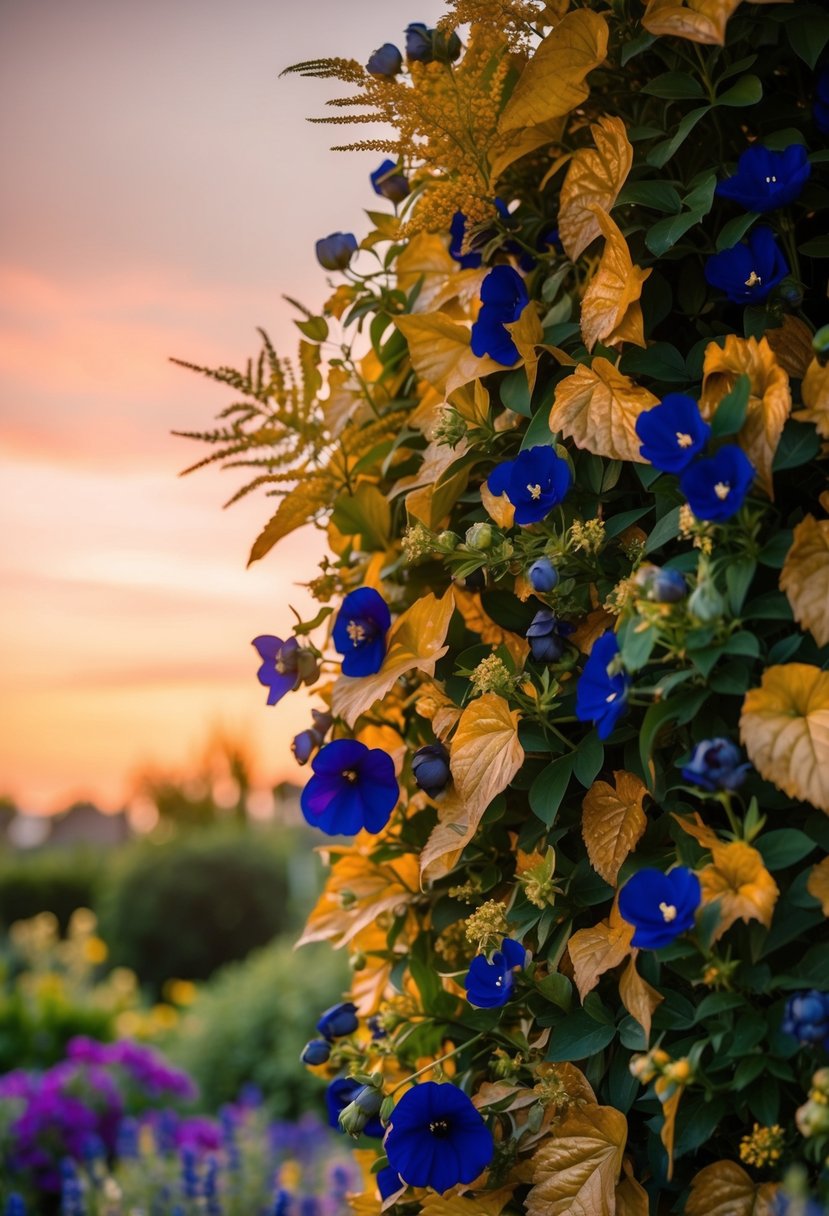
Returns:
(437, 1138)
(389, 182)
(716, 765)
(353, 788)
(504, 297)
(360, 630)
(279, 671)
(748, 271)
(660, 906)
(335, 252)
(385, 61)
(535, 482)
(765, 179)
(601, 695)
(673, 433)
(489, 982)
(716, 488)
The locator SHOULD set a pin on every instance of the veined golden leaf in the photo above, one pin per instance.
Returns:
(498, 507)
(597, 408)
(594, 178)
(638, 997)
(299, 506)
(425, 257)
(440, 351)
(769, 403)
(594, 951)
(791, 342)
(591, 627)
(697, 20)
(507, 148)
(613, 822)
(817, 884)
(815, 394)
(484, 757)
(785, 729)
(725, 1189)
(553, 82)
(415, 642)
(740, 881)
(696, 828)
(805, 577)
(631, 1196)
(576, 1170)
(528, 334)
(610, 309)
(488, 1203)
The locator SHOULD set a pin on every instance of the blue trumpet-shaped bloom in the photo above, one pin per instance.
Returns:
(749, 271)
(660, 906)
(535, 482)
(437, 1138)
(489, 982)
(360, 630)
(765, 179)
(353, 787)
(601, 696)
(672, 433)
(716, 488)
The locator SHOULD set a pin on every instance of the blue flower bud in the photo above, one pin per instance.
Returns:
(546, 636)
(389, 182)
(807, 1017)
(716, 764)
(339, 1020)
(316, 1052)
(425, 45)
(335, 252)
(385, 61)
(543, 575)
(430, 768)
(369, 1100)
(661, 586)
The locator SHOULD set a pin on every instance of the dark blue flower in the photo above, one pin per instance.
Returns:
(716, 488)
(786, 1205)
(660, 585)
(360, 630)
(820, 106)
(279, 671)
(353, 787)
(535, 482)
(601, 697)
(748, 271)
(807, 1017)
(457, 233)
(306, 742)
(765, 180)
(489, 982)
(543, 575)
(339, 1020)
(546, 634)
(430, 768)
(425, 45)
(504, 297)
(385, 61)
(389, 182)
(316, 1052)
(335, 252)
(660, 906)
(340, 1093)
(672, 433)
(716, 764)
(389, 1182)
(437, 1138)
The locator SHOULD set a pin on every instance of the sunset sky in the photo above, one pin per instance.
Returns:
(161, 191)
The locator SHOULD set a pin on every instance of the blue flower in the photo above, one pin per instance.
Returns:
(765, 180)
(660, 585)
(601, 698)
(385, 61)
(543, 575)
(535, 482)
(341, 1093)
(360, 630)
(388, 1182)
(716, 765)
(425, 45)
(389, 182)
(430, 768)
(489, 982)
(716, 488)
(437, 1138)
(546, 635)
(672, 433)
(306, 742)
(353, 787)
(339, 1020)
(335, 252)
(471, 259)
(660, 906)
(807, 1017)
(315, 1052)
(504, 297)
(279, 671)
(820, 106)
(748, 271)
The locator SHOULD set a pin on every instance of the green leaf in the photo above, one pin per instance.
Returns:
(642, 42)
(818, 247)
(783, 848)
(673, 86)
(666, 529)
(732, 410)
(549, 788)
(659, 196)
(746, 92)
(680, 708)
(588, 759)
(557, 989)
(578, 1037)
(738, 576)
(808, 35)
(661, 361)
(515, 394)
(367, 514)
(799, 444)
(662, 152)
(315, 328)
(664, 234)
(636, 644)
(734, 231)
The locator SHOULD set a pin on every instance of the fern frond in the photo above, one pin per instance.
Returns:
(327, 69)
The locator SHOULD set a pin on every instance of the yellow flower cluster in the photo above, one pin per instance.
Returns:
(487, 925)
(763, 1146)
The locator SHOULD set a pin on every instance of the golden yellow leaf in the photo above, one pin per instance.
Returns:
(814, 392)
(769, 403)
(696, 828)
(597, 408)
(299, 506)
(613, 822)
(610, 309)
(591, 627)
(638, 997)
(528, 334)
(498, 507)
(368, 1203)
(553, 81)
(484, 757)
(594, 951)
(432, 491)
(510, 146)
(791, 342)
(697, 20)
(667, 1133)
(817, 884)
(785, 729)
(576, 1170)
(740, 881)
(488, 1203)
(631, 1196)
(415, 642)
(725, 1189)
(594, 178)
(440, 351)
(425, 258)
(805, 577)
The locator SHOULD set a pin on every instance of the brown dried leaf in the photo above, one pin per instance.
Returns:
(725, 1189)
(740, 881)
(697, 20)
(610, 309)
(791, 342)
(613, 822)
(597, 408)
(785, 729)
(817, 884)
(805, 577)
(815, 394)
(575, 1171)
(638, 997)
(594, 951)
(594, 178)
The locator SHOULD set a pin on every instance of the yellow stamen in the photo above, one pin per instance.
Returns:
(753, 279)
(356, 632)
(668, 912)
(722, 489)
(534, 491)
(684, 439)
